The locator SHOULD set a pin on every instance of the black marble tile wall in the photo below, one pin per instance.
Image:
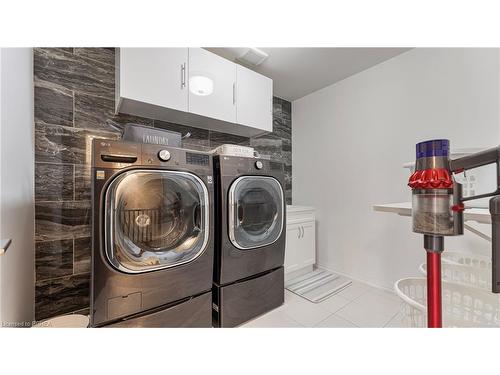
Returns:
(53, 259)
(278, 144)
(74, 102)
(58, 220)
(54, 182)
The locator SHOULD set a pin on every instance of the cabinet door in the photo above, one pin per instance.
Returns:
(212, 81)
(254, 99)
(308, 244)
(155, 76)
(300, 250)
(293, 259)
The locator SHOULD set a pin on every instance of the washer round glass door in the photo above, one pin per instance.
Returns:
(155, 219)
(255, 211)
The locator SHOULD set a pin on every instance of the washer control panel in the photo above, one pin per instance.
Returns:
(164, 155)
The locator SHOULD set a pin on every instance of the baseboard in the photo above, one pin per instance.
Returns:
(355, 278)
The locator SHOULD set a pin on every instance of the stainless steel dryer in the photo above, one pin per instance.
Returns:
(250, 239)
(152, 244)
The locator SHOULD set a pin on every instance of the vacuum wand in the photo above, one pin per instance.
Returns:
(437, 210)
(434, 314)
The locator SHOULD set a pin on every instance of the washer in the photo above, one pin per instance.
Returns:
(153, 237)
(250, 238)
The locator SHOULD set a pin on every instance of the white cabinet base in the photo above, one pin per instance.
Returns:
(300, 249)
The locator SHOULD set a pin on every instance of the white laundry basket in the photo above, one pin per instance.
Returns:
(463, 306)
(465, 269)
(472, 260)
(472, 276)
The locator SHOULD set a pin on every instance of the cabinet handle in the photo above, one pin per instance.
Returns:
(4, 245)
(302, 229)
(301, 233)
(298, 234)
(234, 93)
(183, 75)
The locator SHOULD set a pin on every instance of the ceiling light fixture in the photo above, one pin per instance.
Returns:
(201, 85)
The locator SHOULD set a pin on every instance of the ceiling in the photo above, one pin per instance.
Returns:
(297, 72)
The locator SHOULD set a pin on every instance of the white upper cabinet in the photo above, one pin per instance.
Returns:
(211, 83)
(154, 75)
(193, 87)
(254, 99)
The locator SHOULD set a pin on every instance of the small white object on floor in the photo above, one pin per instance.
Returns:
(65, 321)
(318, 285)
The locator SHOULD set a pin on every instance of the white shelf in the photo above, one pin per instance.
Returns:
(291, 209)
(479, 215)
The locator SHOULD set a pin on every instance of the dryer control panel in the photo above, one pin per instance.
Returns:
(119, 154)
(113, 154)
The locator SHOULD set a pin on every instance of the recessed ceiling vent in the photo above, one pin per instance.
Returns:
(253, 57)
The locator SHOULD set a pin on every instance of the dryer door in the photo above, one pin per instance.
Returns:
(256, 211)
(155, 220)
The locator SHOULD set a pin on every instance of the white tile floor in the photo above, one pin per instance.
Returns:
(359, 305)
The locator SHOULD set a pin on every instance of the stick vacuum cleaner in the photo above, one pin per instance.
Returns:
(437, 210)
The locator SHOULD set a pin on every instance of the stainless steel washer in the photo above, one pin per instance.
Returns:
(152, 247)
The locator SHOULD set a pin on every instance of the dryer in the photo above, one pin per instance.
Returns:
(153, 236)
(250, 238)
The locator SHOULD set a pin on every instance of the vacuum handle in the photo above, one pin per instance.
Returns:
(495, 243)
(478, 159)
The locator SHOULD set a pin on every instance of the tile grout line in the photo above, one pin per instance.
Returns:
(54, 163)
(73, 109)
(390, 320)
(363, 294)
(316, 305)
(77, 129)
(329, 316)
(65, 201)
(63, 277)
(355, 325)
(73, 260)
(341, 318)
(294, 320)
(74, 182)
(348, 321)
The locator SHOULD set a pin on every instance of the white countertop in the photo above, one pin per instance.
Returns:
(294, 208)
(480, 215)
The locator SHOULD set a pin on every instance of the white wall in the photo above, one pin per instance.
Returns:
(351, 140)
(17, 185)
